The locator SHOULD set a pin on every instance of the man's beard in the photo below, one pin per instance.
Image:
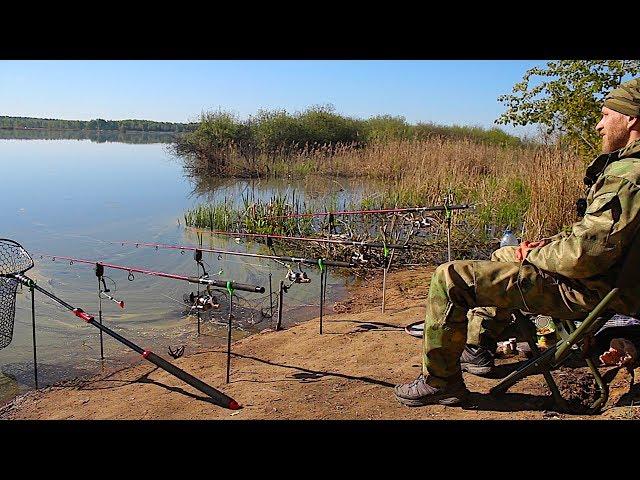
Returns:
(614, 140)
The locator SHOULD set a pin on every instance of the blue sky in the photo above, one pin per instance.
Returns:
(444, 92)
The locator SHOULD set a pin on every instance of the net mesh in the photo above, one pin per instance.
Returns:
(8, 287)
(13, 258)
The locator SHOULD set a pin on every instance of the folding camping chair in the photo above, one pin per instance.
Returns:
(572, 337)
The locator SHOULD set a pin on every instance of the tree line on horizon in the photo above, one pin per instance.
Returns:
(21, 123)
(277, 129)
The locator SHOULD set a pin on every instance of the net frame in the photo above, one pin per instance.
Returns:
(14, 260)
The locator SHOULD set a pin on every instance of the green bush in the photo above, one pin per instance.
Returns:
(321, 125)
(386, 127)
(275, 130)
(224, 144)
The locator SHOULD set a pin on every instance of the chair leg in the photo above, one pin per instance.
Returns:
(528, 331)
(603, 388)
(530, 367)
(534, 365)
(558, 353)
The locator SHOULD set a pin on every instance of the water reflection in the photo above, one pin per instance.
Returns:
(94, 136)
(315, 192)
(78, 198)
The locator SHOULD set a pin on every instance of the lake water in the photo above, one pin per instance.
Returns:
(73, 197)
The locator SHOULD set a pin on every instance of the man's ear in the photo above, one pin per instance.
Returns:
(633, 123)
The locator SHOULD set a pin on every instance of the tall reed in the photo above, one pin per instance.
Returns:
(530, 188)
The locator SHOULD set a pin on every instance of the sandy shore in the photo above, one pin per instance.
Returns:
(348, 372)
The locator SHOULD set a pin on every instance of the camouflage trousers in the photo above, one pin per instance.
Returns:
(472, 299)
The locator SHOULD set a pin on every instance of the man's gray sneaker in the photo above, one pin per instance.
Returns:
(477, 360)
(419, 392)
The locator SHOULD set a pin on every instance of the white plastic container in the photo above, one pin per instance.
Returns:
(508, 239)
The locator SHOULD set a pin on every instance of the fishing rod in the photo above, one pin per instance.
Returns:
(296, 277)
(228, 285)
(198, 280)
(15, 261)
(383, 210)
(269, 236)
(306, 261)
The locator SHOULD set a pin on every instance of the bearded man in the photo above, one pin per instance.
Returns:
(564, 276)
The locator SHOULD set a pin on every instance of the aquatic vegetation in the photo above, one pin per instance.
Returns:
(530, 188)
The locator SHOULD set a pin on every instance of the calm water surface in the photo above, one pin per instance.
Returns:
(73, 198)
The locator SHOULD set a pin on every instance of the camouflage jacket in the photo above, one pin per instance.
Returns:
(594, 250)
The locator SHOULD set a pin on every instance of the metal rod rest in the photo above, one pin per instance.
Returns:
(229, 337)
(33, 324)
(218, 397)
(322, 274)
(280, 304)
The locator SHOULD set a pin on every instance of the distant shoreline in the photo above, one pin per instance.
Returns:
(94, 125)
(22, 129)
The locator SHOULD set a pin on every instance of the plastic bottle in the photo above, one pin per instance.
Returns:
(508, 239)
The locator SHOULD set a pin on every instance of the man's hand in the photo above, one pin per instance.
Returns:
(523, 249)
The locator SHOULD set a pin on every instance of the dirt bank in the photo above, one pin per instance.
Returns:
(346, 373)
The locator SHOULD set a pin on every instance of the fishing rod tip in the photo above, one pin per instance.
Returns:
(233, 405)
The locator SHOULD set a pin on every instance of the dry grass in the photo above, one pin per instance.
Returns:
(534, 187)
(528, 188)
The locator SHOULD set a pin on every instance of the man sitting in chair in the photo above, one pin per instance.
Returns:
(564, 276)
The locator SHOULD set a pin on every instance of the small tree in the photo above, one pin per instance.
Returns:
(209, 143)
(567, 99)
(387, 127)
(276, 131)
(320, 124)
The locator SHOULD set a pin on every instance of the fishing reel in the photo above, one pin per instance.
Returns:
(418, 221)
(359, 257)
(421, 223)
(298, 277)
(418, 224)
(203, 302)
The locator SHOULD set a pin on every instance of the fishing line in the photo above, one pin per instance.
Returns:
(308, 261)
(243, 263)
(174, 299)
(15, 261)
(131, 270)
